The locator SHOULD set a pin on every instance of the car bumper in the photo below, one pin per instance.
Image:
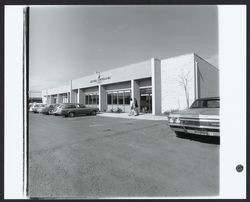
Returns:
(195, 130)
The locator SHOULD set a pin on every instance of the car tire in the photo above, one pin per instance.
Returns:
(93, 113)
(71, 114)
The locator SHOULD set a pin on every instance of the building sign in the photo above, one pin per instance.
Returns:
(100, 79)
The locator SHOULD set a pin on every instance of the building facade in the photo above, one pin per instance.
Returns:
(158, 85)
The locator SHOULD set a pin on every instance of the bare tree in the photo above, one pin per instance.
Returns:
(184, 80)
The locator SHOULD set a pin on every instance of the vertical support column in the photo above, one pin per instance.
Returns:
(47, 99)
(156, 86)
(135, 92)
(196, 90)
(102, 98)
(70, 92)
(68, 97)
(77, 96)
(57, 98)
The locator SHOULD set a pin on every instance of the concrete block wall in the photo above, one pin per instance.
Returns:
(172, 92)
(207, 78)
(102, 98)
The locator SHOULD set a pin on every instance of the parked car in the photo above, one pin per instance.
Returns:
(72, 109)
(202, 118)
(31, 105)
(36, 107)
(47, 109)
(52, 111)
(55, 109)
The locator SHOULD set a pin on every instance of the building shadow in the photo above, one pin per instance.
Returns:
(199, 138)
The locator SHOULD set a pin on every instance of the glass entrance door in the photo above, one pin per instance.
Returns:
(146, 100)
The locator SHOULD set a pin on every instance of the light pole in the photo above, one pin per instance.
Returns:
(99, 76)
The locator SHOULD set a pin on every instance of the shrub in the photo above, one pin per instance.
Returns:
(118, 110)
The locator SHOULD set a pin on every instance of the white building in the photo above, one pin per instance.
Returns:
(158, 85)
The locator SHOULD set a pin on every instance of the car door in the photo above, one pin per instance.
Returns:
(82, 109)
(77, 110)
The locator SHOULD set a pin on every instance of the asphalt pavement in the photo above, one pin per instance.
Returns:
(103, 157)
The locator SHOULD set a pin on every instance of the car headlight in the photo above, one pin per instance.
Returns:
(171, 120)
(177, 120)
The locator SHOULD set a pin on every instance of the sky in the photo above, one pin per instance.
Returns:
(68, 42)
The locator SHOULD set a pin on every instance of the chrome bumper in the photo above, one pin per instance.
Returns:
(195, 130)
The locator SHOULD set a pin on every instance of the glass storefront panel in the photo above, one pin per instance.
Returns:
(114, 98)
(146, 100)
(86, 99)
(109, 99)
(94, 99)
(120, 98)
(127, 97)
(90, 99)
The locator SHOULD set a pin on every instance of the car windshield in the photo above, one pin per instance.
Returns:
(206, 104)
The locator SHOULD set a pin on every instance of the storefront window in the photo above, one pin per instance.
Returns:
(109, 99)
(127, 98)
(120, 98)
(90, 99)
(114, 98)
(94, 99)
(86, 99)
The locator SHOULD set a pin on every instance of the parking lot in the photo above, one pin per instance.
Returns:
(93, 156)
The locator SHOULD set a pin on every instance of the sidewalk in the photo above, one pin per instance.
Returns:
(126, 116)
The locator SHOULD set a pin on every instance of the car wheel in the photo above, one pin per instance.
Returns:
(93, 113)
(71, 114)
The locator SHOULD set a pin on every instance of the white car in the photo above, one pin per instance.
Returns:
(202, 118)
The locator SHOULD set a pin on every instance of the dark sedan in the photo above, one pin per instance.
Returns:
(72, 110)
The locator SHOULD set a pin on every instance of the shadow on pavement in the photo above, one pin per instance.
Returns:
(200, 138)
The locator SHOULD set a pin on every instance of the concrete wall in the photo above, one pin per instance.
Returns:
(81, 97)
(207, 78)
(126, 73)
(90, 90)
(102, 98)
(121, 85)
(172, 72)
(73, 96)
(145, 82)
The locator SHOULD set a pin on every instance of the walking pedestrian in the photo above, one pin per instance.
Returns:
(136, 113)
(131, 112)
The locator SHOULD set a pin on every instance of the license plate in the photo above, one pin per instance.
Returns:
(198, 132)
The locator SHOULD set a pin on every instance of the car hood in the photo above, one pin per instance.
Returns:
(198, 113)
